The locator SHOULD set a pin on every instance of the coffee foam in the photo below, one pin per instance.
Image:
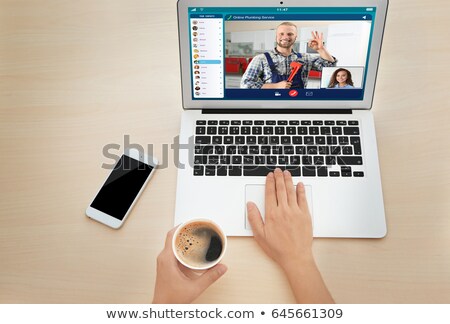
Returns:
(199, 244)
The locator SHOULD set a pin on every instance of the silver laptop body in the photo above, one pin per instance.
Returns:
(233, 133)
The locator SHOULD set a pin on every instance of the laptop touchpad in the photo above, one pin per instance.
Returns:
(256, 194)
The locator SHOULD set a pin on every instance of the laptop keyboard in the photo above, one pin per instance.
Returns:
(307, 148)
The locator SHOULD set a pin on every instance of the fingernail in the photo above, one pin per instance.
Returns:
(270, 175)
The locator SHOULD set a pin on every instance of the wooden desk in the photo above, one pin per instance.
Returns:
(75, 76)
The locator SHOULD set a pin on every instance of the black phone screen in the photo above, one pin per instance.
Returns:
(122, 187)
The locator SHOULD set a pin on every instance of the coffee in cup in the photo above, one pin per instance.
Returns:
(199, 244)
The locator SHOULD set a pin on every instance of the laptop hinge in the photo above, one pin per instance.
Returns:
(276, 111)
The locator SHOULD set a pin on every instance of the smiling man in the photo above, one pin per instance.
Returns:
(271, 70)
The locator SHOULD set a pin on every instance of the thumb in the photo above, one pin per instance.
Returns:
(211, 276)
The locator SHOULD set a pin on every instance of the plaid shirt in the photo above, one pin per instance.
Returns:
(258, 71)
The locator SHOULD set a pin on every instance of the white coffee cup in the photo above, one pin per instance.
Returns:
(199, 244)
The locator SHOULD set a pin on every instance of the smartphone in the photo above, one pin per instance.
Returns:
(122, 188)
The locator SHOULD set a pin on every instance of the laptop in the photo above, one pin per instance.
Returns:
(288, 84)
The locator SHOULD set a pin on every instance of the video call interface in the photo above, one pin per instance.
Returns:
(279, 53)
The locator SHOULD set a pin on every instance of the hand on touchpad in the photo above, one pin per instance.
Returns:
(256, 194)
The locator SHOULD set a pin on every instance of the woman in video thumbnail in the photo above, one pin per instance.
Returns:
(341, 79)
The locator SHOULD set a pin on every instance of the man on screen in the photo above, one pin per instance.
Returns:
(271, 70)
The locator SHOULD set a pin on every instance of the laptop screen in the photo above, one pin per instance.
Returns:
(252, 53)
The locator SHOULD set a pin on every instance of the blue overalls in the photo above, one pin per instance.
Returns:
(297, 81)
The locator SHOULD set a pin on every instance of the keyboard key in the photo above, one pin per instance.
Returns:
(307, 160)
(224, 159)
(211, 130)
(200, 130)
(334, 174)
(224, 122)
(325, 130)
(335, 150)
(271, 122)
(260, 159)
(331, 140)
(358, 174)
(247, 122)
(349, 160)
(274, 140)
(322, 171)
(213, 159)
(294, 160)
(309, 171)
(302, 130)
(283, 160)
(248, 159)
(219, 149)
(329, 122)
(277, 149)
(336, 130)
(257, 170)
(311, 150)
(234, 130)
(235, 122)
(259, 122)
(268, 130)
(207, 149)
(285, 140)
(198, 170)
(265, 150)
(242, 150)
(210, 170)
(202, 139)
(330, 160)
(347, 150)
(294, 122)
(351, 131)
(223, 130)
(282, 122)
(228, 140)
(239, 140)
(271, 159)
(236, 159)
(319, 160)
(314, 130)
(217, 139)
(263, 140)
(246, 130)
(343, 140)
(291, 130)
(300, 150)
(235, 170)
(324, 150)
(253, 150)
(222, 170)
(289, 149)
(297, 140)
(251, 139)
(257, 130)
(212, 122)
(353, 122)
(279, 130)
(341, 122)
(308, 140)
(232, 149)
(201, 122)
(320, 140)
(305, 122)
(346, 171)
(200, 159)
(317, 122)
